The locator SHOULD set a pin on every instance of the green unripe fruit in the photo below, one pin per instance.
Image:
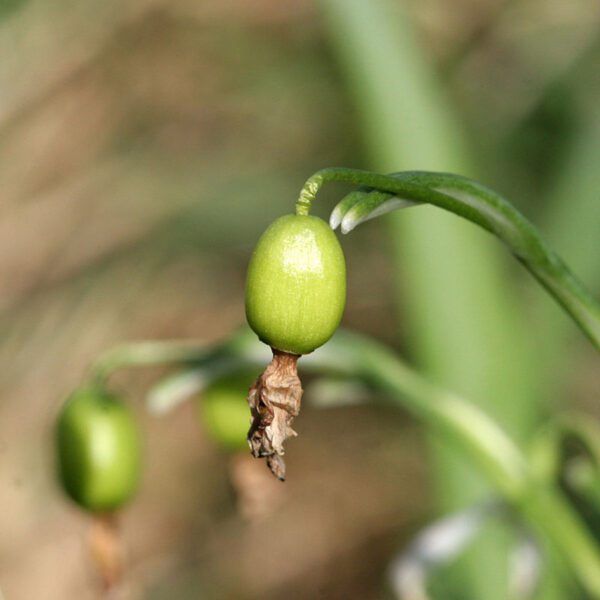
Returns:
(99, 450)
(224, 411)
(296, 284)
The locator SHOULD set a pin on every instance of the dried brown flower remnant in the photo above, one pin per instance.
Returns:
(274, 401)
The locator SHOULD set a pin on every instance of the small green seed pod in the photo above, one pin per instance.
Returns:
(296, 284)
(99, 451)
(224, 412)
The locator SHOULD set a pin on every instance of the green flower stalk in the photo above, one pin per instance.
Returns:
(466, 198)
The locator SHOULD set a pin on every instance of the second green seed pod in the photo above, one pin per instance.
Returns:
(224, 412)
(99, 450)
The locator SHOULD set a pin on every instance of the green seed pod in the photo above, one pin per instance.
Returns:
(99, 451)
(224, 411)
(296, 284)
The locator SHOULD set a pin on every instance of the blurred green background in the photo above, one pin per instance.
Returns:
(145, 145)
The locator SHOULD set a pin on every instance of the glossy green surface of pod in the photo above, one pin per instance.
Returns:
(99, 450)
(224, 411)
(296, 284)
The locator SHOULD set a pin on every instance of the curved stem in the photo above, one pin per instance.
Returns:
(145, 354)
(314, 183)
(154, 353)
(459, 422)
(540, 504)
(480, 205)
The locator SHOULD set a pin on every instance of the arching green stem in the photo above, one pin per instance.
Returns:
(465, 426)
(147, 354)
(320, 178)
(472, 201)
(542, 505)
(539, 502)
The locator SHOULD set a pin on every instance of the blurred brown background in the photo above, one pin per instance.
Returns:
(144, 145)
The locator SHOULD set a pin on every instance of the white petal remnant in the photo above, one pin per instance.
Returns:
(352, 199)
(359, 214)
(274, 401)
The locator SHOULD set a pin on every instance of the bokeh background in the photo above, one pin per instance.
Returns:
(145, 145)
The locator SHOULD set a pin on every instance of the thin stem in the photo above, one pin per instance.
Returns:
(320, 178)
(145, 354)
(484, 207)
(540, 503)
(459, 422)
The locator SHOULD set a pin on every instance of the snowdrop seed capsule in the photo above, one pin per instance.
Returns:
(296, 284)
(295, 296)
(98, 447)
(224, 412)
